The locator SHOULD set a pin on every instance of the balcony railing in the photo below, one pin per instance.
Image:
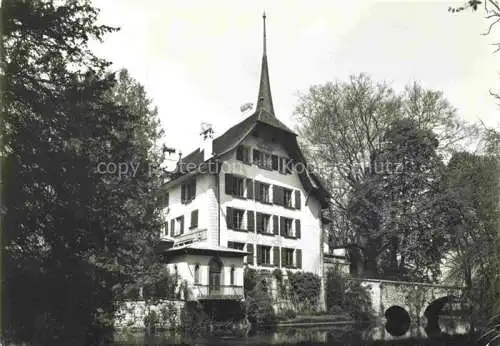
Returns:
(220, 292)
(192, 237)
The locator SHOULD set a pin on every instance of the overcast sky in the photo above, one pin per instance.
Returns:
(200, 60)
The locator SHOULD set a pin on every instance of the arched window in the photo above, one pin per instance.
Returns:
(231, 276)
(214, 275)
(196, 274)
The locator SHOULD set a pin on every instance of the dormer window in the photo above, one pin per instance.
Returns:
(262, 159)
(243, 154)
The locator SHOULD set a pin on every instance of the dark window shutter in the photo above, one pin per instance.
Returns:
(250, 188)
(297, 229)
(281, 195)
(298, 254)
(259, 251)
(250, 255)
(246, 155)
(256, 157)
(276, 256)
(166, 228)
(183, 193)
(275, 224)
(282, 165)
(166, 200)
(258, 218)
(172, 227)
(194, 218)
(229, 184)
(193, 191)
(297, 199)
(182, 225)
(229, 217)
(283, 257)
(275, 162)
(239, 153)
(250, 221)
(275, 194)
(282, 225)
(257, 191)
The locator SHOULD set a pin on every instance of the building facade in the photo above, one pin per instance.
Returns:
(245, 198)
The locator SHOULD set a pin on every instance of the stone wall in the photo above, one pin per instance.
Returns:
(133, 314)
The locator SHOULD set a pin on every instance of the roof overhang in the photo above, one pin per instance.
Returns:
(203, 249)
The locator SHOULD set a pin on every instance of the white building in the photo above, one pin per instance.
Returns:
(244, 198)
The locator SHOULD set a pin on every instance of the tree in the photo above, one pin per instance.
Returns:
(72, 236)
(342, 125)
(392, 209)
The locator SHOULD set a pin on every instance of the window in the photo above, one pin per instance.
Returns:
(178, 226)
(235, 186)
(231, 276)
(263, 223)
(243, 154)
(263, 254)
(235, 245)
(164, 229)
(287, 257)
(287, 198)
(235, 218)
(194, 219)
(262, 159)
(188, 191)
(196, 274)
(262, 192)
(286, 227)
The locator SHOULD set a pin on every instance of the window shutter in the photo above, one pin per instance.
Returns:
(283, 257)
(166, 228)
(172, 227)
(281, 165)
(258, 217)
(250, 221)
(297, 199)
(193, 190)
(229, 217)
(275, 162)
(259, 251)
(281, 195)
(239, 153)
(282, 225)
(246, 155)
(257, 191)
(256, 157)
(250, 253)
(250, 188)
(276, 256)
(297, 229)
(229, 184)
(298, 254)
(183, 193)
(194, 218)
(182, 224)
(275, 224)
(275, 194)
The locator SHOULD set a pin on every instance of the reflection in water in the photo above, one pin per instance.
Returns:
(331, 335)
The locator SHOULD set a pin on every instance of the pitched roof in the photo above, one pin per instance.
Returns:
(263, 116)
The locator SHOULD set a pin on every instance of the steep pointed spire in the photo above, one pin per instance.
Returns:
(265, 101)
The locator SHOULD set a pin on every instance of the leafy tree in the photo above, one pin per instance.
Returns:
(72, 237)
(392, 209)
(342, 125)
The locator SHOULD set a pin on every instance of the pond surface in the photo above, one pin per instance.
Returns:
(453, 333)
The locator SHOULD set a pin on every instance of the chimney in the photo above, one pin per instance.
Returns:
(206, 134)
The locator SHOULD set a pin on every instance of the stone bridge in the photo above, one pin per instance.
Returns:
(412, 302)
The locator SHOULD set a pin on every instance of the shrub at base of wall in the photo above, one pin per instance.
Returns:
(163, 314)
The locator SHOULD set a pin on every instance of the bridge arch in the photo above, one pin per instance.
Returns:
(398, 320)
(432, 312)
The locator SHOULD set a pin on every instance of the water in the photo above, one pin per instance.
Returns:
(325, 335)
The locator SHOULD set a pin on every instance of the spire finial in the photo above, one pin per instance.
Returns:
(264, 20)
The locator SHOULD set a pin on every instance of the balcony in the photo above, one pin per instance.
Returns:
(192, 237)
(222, 292)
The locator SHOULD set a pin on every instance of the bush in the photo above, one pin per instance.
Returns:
(151, 320)
(305, 288)
(259, 307)
(194, 318)
(348, 296)
(249, 280)
(289, 314)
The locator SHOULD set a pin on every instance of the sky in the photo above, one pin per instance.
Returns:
(200, 60)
